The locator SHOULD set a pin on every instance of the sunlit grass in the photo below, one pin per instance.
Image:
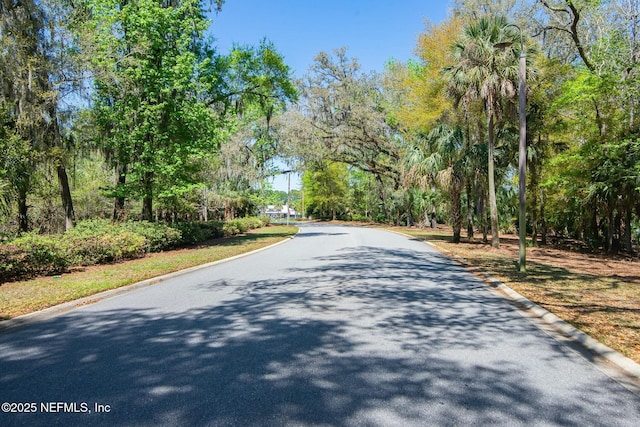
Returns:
(17, 298)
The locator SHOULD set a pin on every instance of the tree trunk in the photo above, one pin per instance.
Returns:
(543, 222)
(147, 201)
(469, 212)
(23, 218)
(63, 178)
(383, 198)
(627, 229)
(481, 212)
(205, 205)
(534, 184)
(456, 209)
(118, 205)
(434, 219)
(409, 213)
(595, 229)
(493, 207)
(65, 194)
(610, 230)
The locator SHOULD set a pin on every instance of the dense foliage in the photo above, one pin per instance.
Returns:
(123, 110)
(437, 137)
(134, 99)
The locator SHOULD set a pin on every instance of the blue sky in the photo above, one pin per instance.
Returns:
(374, 31)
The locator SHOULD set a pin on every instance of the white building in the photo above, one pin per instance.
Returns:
(273, 212)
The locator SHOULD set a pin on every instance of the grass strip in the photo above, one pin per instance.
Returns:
(605, 307)
(18, 298)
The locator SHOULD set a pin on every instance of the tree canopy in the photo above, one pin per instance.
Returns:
(126, 109)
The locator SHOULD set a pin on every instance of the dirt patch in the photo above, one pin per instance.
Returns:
(615, 266)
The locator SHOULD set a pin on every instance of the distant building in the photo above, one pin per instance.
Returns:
(273, 212)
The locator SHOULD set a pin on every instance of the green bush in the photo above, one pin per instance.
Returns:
(361, 218)
(32, 254)
(92, 227)
(100, 241)
(241, 225)
(230, 229)
(106, 247)
(236, 225)
(158, 236)
(252, 222)
(265, 220)
(196, 232)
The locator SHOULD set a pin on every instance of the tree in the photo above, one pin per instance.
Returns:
(547, 136)
(5, 198)
(448, 150)
(482, 72)
(17, 166)
(254, 84)
(419, 97)
(341, 117)
(325, 187)
(32, 72)
(146, 57)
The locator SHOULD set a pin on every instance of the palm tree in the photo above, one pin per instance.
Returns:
(484, 73)
(440, 158)
(449, 143)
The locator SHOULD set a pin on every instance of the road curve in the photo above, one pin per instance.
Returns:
(341, 326)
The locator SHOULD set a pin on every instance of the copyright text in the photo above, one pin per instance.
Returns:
(55, 407)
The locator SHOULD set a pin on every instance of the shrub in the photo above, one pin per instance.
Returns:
(236, 224)
(241, 225)
(230, 229)
(158, 236)
(32, 254)
(91, 227)
(99, 241)
(195, 232)
(252, 222)
(265, 220)
(107, 247)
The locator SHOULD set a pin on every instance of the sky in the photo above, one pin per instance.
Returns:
(373, 31)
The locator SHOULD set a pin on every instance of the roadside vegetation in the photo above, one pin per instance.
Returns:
(129, 112)
(26, 296)
(103, 241)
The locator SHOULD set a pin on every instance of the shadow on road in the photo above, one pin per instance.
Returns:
(356, 341)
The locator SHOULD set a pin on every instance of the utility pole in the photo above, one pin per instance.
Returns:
(288, 197)
(522, 95)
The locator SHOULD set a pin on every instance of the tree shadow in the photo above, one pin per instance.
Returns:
(316, 234)
(367, 336)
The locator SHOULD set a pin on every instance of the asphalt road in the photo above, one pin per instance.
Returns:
(340, 326)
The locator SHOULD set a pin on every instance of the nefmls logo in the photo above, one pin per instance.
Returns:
(67, 407)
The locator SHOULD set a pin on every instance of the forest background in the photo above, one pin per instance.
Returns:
(126, 111)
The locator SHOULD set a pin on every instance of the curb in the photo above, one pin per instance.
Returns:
(628, 366)
(64, 307)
